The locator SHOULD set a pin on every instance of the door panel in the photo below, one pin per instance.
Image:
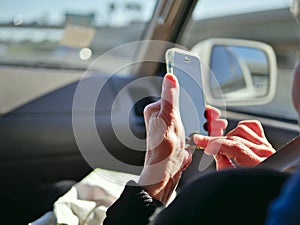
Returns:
(38, 147)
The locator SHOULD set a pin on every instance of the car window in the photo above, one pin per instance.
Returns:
(47, 45)
(272, 21)
(68, 34)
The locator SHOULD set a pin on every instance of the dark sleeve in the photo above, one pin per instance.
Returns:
(134, 207)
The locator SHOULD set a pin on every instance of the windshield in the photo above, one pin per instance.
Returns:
(68, 34)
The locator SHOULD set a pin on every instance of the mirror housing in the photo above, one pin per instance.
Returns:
(237, 72)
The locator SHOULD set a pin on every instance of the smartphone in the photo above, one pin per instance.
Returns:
(186, 67)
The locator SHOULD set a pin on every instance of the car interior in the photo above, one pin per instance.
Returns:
(76, 76)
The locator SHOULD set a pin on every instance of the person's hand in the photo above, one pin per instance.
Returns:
(214, 125)
(246, 145)
(166, 156)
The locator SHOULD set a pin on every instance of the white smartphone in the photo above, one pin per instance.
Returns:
(186, 67)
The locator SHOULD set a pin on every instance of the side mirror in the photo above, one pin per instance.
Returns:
(237, 72)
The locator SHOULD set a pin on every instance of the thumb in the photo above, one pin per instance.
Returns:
(169, 94)
(202, 141)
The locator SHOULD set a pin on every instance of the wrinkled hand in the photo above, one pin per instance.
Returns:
(246, 145)
(166, 156)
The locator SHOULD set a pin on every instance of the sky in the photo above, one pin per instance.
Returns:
(214, 8)
(33, 10)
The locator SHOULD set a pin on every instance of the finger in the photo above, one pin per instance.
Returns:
(202, 141)
(254, 125)
(212, 113)
(216, 127)
(263, 151)
(150, 109)
(169, 94)
(260, 150)
(241, 154)
(245, 132)
(222, 162)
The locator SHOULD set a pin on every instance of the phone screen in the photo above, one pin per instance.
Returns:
(187, 68)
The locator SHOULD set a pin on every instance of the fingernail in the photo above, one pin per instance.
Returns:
(172, 78)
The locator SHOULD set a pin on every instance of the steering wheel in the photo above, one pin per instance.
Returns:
(284, 158)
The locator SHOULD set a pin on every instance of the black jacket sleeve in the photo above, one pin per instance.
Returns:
(134, 207)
